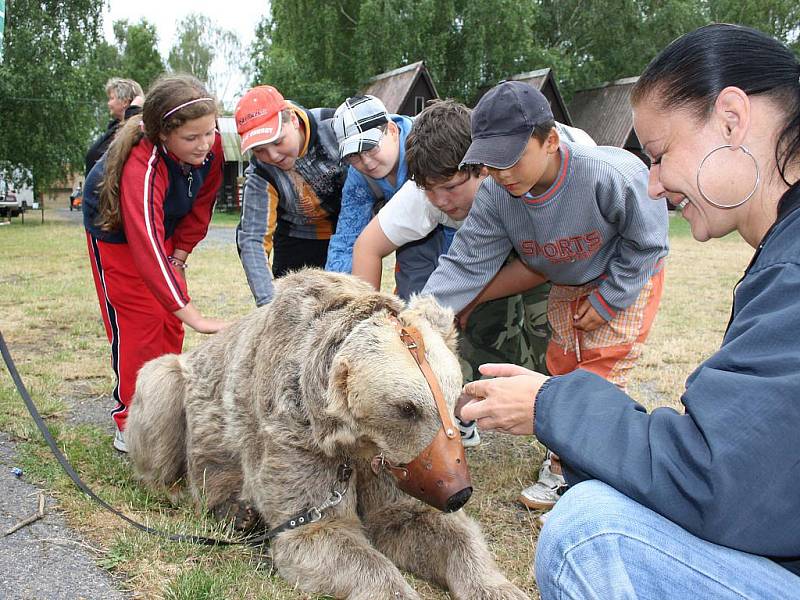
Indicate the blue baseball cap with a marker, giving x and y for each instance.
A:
(502, 123)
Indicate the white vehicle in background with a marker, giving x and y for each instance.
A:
(15, 201)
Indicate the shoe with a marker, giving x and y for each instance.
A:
(119, 441)
(542, 518)
(545, 492)
(469, 433)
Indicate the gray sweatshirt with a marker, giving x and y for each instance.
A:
(595, 224)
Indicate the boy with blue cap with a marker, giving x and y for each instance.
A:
(577, 216)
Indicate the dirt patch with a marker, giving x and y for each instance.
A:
(90, 411)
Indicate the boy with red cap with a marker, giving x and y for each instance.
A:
(578, 216)
(293, 187)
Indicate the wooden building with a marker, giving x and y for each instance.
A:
(404, 91)
(605, 114)
(544, 81)
(233, 170)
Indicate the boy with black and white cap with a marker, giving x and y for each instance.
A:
(577, 216)
(373, 143)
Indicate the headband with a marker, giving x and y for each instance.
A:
(184, 105)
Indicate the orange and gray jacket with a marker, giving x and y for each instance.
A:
(302, 202)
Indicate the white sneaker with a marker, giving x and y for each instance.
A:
(469, 433)
(119, 441)
(545, 492)
(542, 518)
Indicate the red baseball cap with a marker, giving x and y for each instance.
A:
(258, 116)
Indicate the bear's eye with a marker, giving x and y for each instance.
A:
(408, 410)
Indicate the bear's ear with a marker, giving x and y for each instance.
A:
(337, 387)
(334, 426)
(441, 319)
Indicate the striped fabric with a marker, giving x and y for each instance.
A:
(611, 350)
(623, 329)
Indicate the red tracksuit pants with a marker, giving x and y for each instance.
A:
(138, 327)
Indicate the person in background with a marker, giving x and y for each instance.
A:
(577, 216)
(293, 187)
(125, 98)
(699, 503)
(147, 203)
(373, 143)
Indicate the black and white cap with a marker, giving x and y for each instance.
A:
(357, 124)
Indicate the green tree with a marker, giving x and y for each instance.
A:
(193, 51)
(227, 64)
(138, 47)
(46, 100)
(320, 52)
(305, 50)
(102, 63)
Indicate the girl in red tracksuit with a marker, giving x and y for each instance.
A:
(148, 202)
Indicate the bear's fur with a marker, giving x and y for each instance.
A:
(264, 412)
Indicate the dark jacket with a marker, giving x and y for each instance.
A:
(101, 144)
(728, 468)
(160, 199)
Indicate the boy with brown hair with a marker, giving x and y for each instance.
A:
(440, 193)
(293, 187)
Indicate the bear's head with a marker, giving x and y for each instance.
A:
(378, 403)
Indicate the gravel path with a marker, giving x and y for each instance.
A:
(46, 559)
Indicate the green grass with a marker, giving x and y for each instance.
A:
(678, 227)
(51, 322)
(225, 219)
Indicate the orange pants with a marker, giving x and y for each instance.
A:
(612, 349)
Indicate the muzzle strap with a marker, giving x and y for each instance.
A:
(438, 475)
(412, 338)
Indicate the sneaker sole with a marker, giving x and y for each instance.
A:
(120, 445)
(534, 504)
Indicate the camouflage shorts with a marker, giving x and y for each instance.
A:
(507, 330)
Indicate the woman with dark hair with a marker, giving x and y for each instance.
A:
(148, 202)
(704, 503)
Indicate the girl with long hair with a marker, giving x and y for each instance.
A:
(148, 202)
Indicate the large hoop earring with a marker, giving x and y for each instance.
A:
(750, 195)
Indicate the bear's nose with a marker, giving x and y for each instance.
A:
(458, 500)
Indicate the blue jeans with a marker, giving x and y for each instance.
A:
(599, 544)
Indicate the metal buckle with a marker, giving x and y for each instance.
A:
(408, 340)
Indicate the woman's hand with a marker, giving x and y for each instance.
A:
(504, 403)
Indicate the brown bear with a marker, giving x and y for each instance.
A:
(267, 412)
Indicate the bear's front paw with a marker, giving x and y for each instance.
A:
(385, 594)
(502, 591)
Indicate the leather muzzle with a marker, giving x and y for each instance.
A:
(439, 475)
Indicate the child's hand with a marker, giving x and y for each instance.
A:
(463, 317)
(586, 318)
